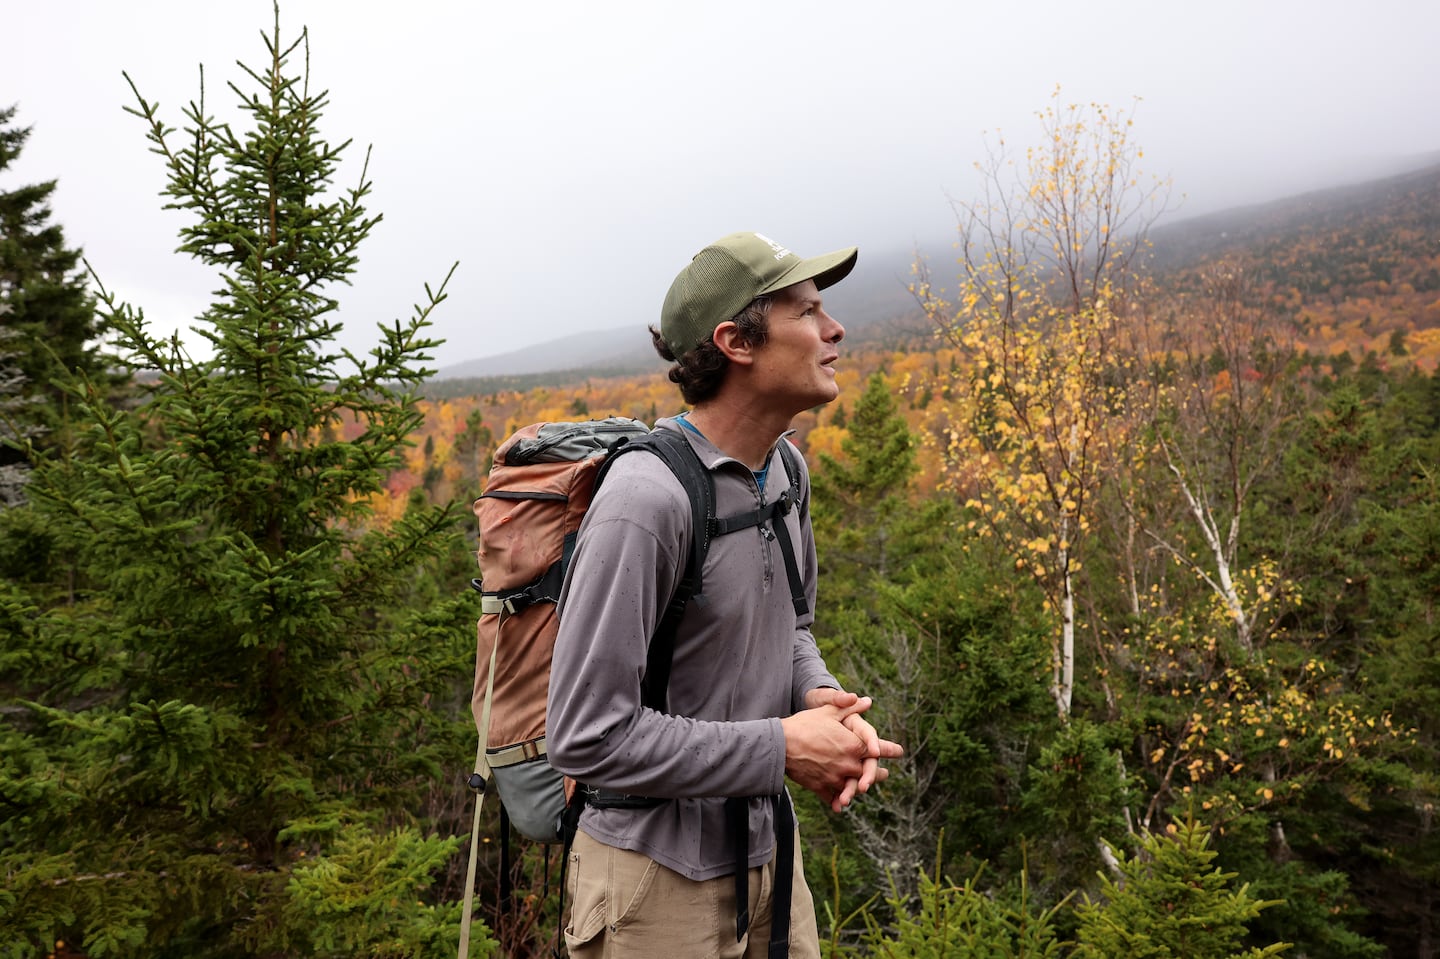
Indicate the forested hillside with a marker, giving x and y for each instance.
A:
(1355, 269)
(1345, 277)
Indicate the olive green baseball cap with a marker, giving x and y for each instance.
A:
(724, 277)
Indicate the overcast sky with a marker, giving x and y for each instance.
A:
(572, 156)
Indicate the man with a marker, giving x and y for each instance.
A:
(684, 794)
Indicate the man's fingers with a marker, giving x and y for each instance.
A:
(844, 797)
(864, 732)
(890, 750)
(838, 770)
(869, 771)
(829, 696)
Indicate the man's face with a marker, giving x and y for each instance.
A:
(795, 366)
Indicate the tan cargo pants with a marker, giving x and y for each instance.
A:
(624, 904)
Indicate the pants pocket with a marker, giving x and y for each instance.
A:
(607, 889)
(585, 886)
(631, 876)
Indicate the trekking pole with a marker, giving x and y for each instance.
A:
(478, 781)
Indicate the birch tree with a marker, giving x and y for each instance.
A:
(1050, 261)
(1222, 424)
(1234, 705)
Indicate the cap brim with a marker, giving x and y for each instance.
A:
(826, 270)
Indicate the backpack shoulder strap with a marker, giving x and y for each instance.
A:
(790, 457)
(773, 514)
(791, 500)
(675, 451)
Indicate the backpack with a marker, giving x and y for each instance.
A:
(543, 480)
(539, 488)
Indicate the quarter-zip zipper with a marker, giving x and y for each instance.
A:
(767, 535)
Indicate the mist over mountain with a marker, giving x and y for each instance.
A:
(875, 303)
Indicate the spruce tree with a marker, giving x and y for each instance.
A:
(47, 314)
(223, 740)
(1171, 902)
(863, 510)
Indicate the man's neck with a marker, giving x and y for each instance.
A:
(738, 430)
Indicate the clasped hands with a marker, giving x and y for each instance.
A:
(831, 749)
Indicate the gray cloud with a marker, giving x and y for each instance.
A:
(572, 155)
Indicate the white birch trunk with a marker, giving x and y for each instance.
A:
(1222, 582)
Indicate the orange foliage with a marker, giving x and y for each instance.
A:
(824, 441)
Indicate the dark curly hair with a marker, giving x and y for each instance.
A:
(699, 372)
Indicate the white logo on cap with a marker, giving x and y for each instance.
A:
(780, 252)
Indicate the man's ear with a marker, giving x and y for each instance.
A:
(734, 344)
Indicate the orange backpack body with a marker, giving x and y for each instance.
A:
(537, 493)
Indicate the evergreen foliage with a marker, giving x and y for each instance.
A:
(1170, 902)
(47, 315)
(1313, 758)
(968, 922)
(224, 735)
(914, 616)
(864, 508)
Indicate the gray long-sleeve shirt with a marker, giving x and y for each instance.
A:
(743, 659)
